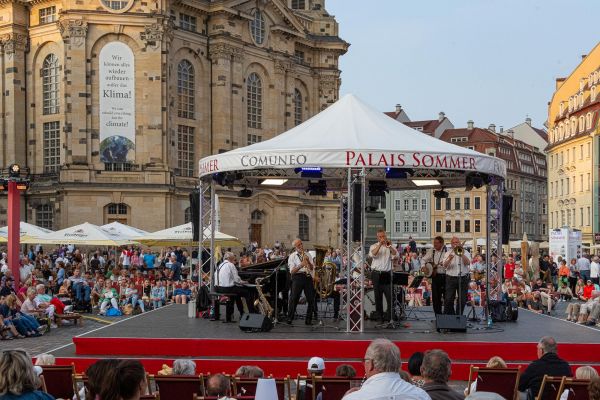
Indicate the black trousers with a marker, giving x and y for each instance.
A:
(302, 283)
(240, 291)
(336, 303)
(456, 286)
(382, 287)
(438, 292)
(573, 285)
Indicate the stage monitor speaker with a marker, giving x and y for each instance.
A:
(451, 323)
(255, 323)
(507, 202)
(195, 214)
(357, 212)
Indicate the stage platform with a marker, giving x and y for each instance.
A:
(160, 336)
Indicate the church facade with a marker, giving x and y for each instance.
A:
(111, 104)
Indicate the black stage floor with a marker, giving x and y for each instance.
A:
(172, 322)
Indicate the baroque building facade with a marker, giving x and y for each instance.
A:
(573, 114)
(111, 104)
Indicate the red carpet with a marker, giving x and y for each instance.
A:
(289, 357)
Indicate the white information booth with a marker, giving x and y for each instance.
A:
(565, 243)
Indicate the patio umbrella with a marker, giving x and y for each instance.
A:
(182, 235)
(86, 234)
(124, 230)
(29, 233)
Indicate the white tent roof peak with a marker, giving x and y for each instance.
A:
(351, 133)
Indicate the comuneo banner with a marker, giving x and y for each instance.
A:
(117, 103)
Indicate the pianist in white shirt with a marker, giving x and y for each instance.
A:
(228, 281)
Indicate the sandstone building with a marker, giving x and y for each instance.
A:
(110, 104)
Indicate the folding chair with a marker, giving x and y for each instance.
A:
(550, 388)
(577, 389)
(176, 387)
(503, 381)
(330, 388)
(58, 380)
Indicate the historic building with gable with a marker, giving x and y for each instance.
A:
(110, 104)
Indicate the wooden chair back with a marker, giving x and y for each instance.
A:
(59, 380)
(577, 389)
(283, 386)
(550, 388)
(503, 381)
(178, 387)
(330, 388)
(244, 386)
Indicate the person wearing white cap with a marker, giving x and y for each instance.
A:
(316, 367)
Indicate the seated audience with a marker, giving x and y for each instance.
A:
(382, 363)
(183, 294)
(494, 362)
(249, 371)
(125, 381)
(158, 295)
(18, 380)
(108, 296)
(594, 389)
(184, 367)
(548, 363)
(583, 372)
(345, 371)
(45, 359)
(414, 368)
(436, 370)
(133, 297)
(218, 385)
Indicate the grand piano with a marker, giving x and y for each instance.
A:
(275, 279)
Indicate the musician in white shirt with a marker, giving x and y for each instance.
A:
(228, 281)
(382, 254)
(435, 257)
(457, 278)
(301, 267)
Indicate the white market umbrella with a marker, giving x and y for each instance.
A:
(29, 233)
(126, 231)
(544, 245)
(480, 242)
(183, 235)
(86, 234)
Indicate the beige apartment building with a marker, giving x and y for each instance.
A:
(110, 104)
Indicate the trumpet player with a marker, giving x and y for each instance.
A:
(456, 263)
(301, 268)
(382, 253)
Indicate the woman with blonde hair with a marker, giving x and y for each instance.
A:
(583, 372)
(494, 362)
(18, 380)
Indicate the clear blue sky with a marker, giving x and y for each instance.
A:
(492, 61)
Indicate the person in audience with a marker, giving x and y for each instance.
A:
(25, 324)
(583, 372)
(133, 297)
(414, 368)
(80, 287)
(184, 367)
(249, 371)
(494, 362)
(18, 380)
(345, 371)
(436, 370)
(158, 294)
(218, 385)
(382, 362)
(30, 308)
(548, 363)
(594, 389)
(126, 381)
(535, 303)
(108, 296)
(183, 294)
(316, 366)
(45, 359)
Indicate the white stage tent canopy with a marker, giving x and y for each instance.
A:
(29, 233)
(85, 234)
(126, 231)
(182, 235)
(351, 133)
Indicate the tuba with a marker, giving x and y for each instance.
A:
(325, 274)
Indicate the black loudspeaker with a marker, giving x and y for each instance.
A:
(255, 323)
(195, 214)
(357, 210)
(507, 202)
(451, 323)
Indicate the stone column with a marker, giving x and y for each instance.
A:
(221, 58)
(13, 139)
(238, 92)
(77, 97)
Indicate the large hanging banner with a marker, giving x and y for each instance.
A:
(117, 103)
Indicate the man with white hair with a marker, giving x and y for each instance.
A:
(382, 365)
(227, 280)
(595, 270)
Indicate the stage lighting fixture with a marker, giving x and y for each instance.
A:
(474, 181)
(441, 194)
(3, 185)
(273, 182)
(227, 178)
(22, 185)
(378, 188)
(397, 173)
(426, 182)
(318, 188)
(310, 172)
(14, 171)
(245, 192)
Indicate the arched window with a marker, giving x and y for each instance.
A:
(116, 212)
(256, 216)
(50, 89)
(257, 26)
(303, 227)
(254, 101)
(297, 107)
(44, 216)
(187, 215)
(185, 89)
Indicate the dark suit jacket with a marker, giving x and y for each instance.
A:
(441, 391)
(548, 364)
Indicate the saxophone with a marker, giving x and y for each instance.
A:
(262, 304)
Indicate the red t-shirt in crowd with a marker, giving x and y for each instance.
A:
(509, 271)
